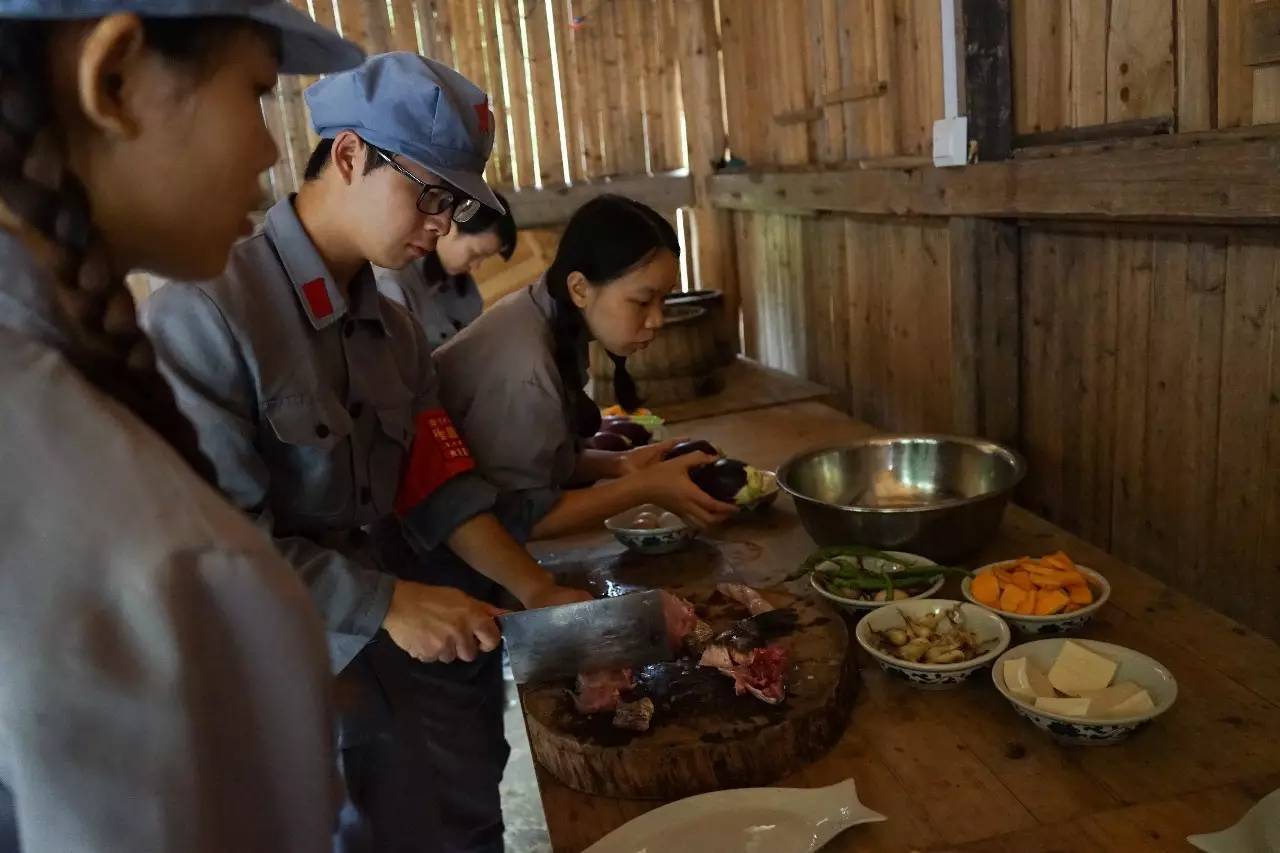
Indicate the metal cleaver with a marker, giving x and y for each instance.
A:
(608, 633)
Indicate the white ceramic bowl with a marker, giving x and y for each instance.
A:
(1058, 623)
(661, 540)
(853, 605)
(1091, 731)
(986, 625)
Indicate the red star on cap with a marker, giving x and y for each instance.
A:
(482, 115)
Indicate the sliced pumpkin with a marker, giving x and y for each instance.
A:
(1060, 560)
(1074, 578)
(1081, 595)
(1028, 604)
(1012, 597)
(1050, 601)
(1038, 569)
(1021, 580)
(1053, 581)
(986, 589)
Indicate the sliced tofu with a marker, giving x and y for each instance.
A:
(1138, 703)
(1079, 670)
(1109, 697)
(1070, 706)
(1025, 681)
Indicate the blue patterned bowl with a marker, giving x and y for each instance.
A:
(1091, 731)
(1060, 623)
(673, 535)
(986, 625)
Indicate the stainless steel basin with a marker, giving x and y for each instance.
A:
(935, 495)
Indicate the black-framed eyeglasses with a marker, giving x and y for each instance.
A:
(436, 198)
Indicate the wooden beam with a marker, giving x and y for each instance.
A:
(853, 94)
(1210, 183)
(1262, 33)
(1155, 126)
(988, 76)
(1233, 136)
(554, 205)
(803, 116)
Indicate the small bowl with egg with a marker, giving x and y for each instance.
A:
(650, 529)
(1084, 692)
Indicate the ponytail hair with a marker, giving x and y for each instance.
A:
(53, 215)
(607, 238)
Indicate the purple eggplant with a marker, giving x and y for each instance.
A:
(731, 481)
(608, 441)
(695, 445)
(634, 432)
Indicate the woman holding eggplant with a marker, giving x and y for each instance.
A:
(513, 380)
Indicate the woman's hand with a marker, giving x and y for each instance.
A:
(668, 485)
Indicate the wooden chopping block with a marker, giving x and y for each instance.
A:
(703, 737)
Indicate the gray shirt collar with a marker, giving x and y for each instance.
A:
(318, 294)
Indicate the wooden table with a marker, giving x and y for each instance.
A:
(960, 770)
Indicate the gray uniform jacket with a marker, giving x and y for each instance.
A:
(442, 304)
(308, 403)
(164, 679)
(498, 379)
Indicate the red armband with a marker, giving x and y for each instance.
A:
(438, 455)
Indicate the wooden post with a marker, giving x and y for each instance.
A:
(435, 30)
(517, 101)
(404, 33)
(656, 101)
(571, 89)
(631, 37)
(500, 160)
(669, 77)
(546, 111)
(988, 76)
(700, 82)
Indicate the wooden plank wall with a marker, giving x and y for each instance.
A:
(1091, 62)
(859, 305)
(1151, 402)
(827, 81)
(596, 69)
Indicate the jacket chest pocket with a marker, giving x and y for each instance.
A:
(309, 453)
(392, 438)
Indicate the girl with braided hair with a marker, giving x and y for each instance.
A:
(514, 378)
(165, 679)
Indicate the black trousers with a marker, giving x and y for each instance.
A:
(422, 752)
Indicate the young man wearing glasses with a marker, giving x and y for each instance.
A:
(315, 399)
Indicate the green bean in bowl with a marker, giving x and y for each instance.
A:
(859, 578)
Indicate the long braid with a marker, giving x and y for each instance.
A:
(38, 188)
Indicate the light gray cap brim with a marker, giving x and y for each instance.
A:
(307, 47)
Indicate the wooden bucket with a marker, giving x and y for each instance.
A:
(681, 364)
(726, 335)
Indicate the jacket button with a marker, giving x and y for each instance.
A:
(356, 409)
(322, 430)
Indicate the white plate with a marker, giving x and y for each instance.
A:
(1257, 832)
(746, 820)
